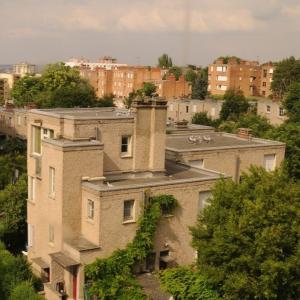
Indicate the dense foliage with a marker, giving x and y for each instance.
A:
(202, 118)
(248, 237)
(111, 278)
(59, 86)
(292, 102)
(184, 283)
(200, 84)
(16, 278)
(234, 105)
(286, 72)
(165, 62)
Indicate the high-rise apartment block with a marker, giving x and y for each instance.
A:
(237, 74)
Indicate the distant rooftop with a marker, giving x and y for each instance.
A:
(86, 113)
(214, 140)
(175, 174)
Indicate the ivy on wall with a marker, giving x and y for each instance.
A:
(112, 278)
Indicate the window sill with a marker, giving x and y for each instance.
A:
(126, 156)
(128, 222)
(91, 221)
(52, 197)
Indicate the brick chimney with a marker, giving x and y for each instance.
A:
(244, 133)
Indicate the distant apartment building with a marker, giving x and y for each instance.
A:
(90, 172)
(24, 68)
(121, 81)
(267, 71)
(234, 73)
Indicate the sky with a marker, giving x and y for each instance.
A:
(139, 31)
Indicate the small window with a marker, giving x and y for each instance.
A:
(30, 235)
(265, 72)
(264, 83)
(51, 234)
(31, 188)
(126, 146)
(269, 162)
(51, 181)
(203, 197)
(128, 210)
(281, 111)
(268, 108)
(90, 209)
(187, 109)
(36, 140)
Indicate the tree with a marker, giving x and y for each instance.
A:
(13, 271)
(286, 72)
(105, 101)
(13, 204)
(200, 84)
(190, 75)
(59, 86)
(24, 290)
(26, 89)
(202, 118)
(234, 105)
(128, 100)
(176, 71)
(148, 89)
(165, 62)
(248, 237)
(292, 102)
(183, 283)
(259, 125)
(289, 133)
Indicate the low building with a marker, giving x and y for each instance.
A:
(272, 110)
(24, 68)
(185, 109)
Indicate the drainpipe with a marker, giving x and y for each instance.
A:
(237, 168)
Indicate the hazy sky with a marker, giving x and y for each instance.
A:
(138, 31)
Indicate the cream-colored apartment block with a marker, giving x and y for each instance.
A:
(90, 172)
(271, 109)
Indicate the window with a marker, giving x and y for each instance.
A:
(187, 109)
(271, 71)
(90, 209)
(51, 182)
(211, 68)
(30, 235)
(268, 108)
(128, 210)
(31, 188)
(281, 112)
(269, 162)
(126, 146)
(199, 163)
(209, 87)
(264, 93)
(36, 140)
(265, 72)
(221, 69)
(264, 83)
(51, 234)
(221, 87)
(222, 78)
(47, 133)
(203, 197)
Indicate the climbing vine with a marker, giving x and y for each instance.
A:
(112, 278)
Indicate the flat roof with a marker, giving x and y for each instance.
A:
(213, 141)
(86, 113)
(175, 174)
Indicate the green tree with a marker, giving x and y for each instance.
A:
(234, 105)
(248, 237)
(59, 86)
(190, 75)
(128, 100)
(183, 283)
(292, 102)
(26, 89)
(13, 204)
(105, 101)
(176, 71)
(202, 118)
(165, 62)
(24, 290)
(200, 84)
(286, 72)
(148, 90)
(13, 271)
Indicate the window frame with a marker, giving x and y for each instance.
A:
(90, 209)
(131, 218)
(128, 152)
(51, 190)
(34, 137)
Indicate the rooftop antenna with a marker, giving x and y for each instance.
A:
(186, 32)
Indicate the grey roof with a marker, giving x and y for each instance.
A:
(175, 174)
(63, 259)
(86, 113)
(82, 244)
(181, 143)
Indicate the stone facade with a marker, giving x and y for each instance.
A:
(272, 110)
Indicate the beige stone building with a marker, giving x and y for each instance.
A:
(91, 170)
(24, 68)
(185, 109)
(272, 110)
